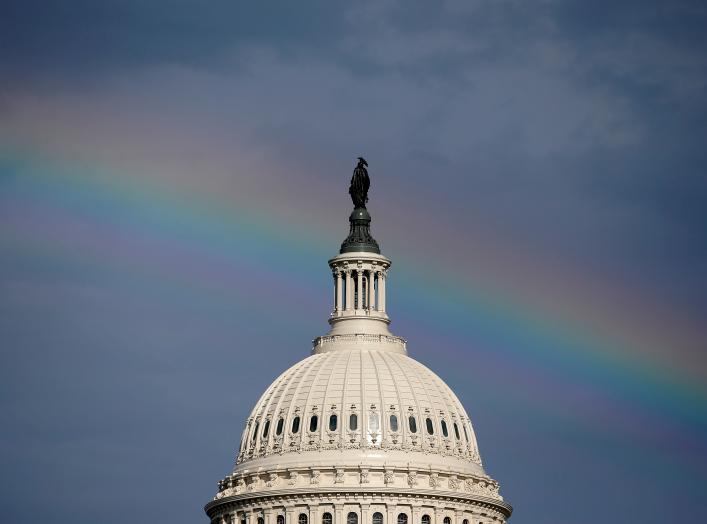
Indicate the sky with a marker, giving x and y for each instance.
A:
(173, 180)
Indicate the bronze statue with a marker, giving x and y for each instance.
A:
(360, 184)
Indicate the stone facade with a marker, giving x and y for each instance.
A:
(358, 432)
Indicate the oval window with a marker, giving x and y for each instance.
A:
(393, 423)
(413, 424)
(295, 425)
(266, 428)
(373, 421)
(456, 431)
(278, 429)
(313, 423)
(430, 427)
(353, 423)
(444, 428)
(332, 422)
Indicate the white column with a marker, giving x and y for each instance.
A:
(349, 290)
(337, 292)
(371, 289)
(381, 291)
(359, 289)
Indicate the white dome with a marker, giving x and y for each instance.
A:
(358, 431)
(365, 399)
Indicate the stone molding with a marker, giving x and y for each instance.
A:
(338, 478)
(401, 500)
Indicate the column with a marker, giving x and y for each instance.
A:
(371, 289)
(349, 290)
(359, 289)
(364, 519)
(381, 291)
(339, 517)
(337, 293)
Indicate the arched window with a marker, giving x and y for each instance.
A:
(425, 519)
(445, 432)
(295, 425)
(333, 421)
(402, 518)
(352, 518)
(266, 428)
(393, 423)
(278, 430)
(281, 518)
(465, 521)
(302, 519)
(430, 427)
(353, 423)
(447, 520)
(466, 435)
(378, 518)
(243, 521)
(261, 520)
(413, 424)
(326, 518)
(313, 423)
(255, 432)
(456, 432)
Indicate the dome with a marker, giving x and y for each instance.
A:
(360, 397)
(358, 432)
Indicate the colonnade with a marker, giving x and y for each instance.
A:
(358, 290)
(340, 514)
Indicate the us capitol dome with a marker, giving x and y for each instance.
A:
(358, 432)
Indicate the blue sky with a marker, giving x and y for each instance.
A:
(538, 180)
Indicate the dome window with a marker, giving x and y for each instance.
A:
(255, 432)
(266, 428)
(326, 518)
(302, 519)
(313, 423)
(261, 520)
(373, 421)
(465, 521)
(425, 519)
(447, 520)
(333, 421)
(378, 518)
(445, 432)
(352, 518)
(280, 518)
(402, 518)
(430, 427)
(393, 423)
(278, 431)
(295, 425)
(243, 521)
(466, 435)
(353, 423)
(456, 433)
(413, 424)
